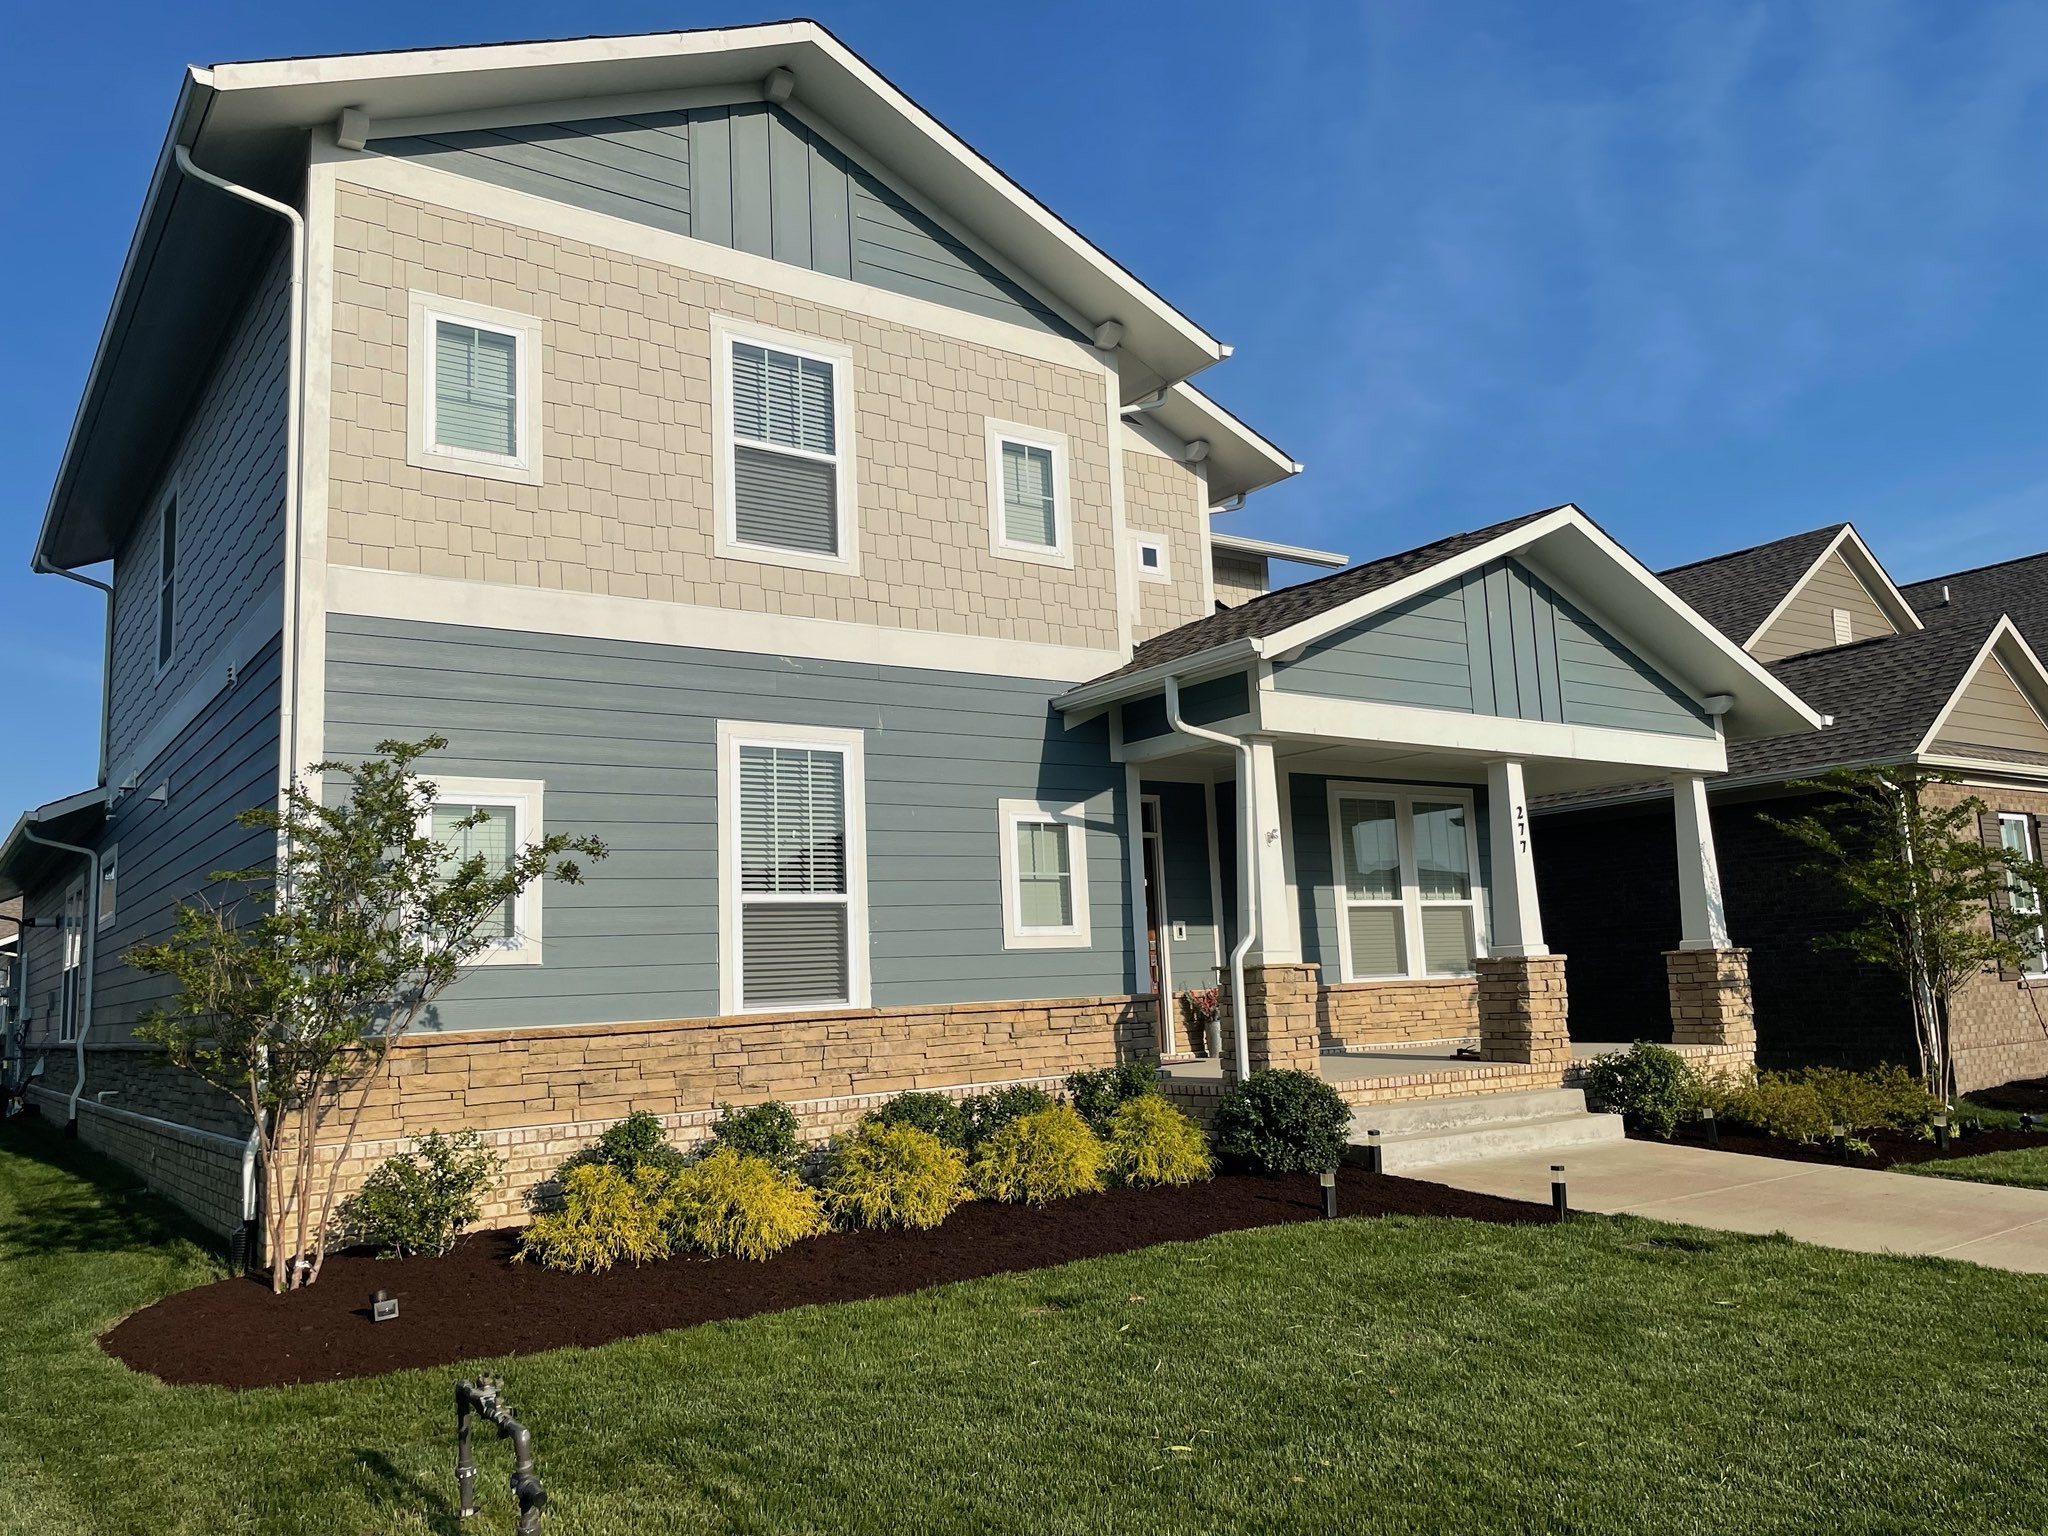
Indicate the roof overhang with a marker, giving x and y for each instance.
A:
(1267, 549)
(1239, 460)
(1868, 570)
(1572, 553)
(74, 819)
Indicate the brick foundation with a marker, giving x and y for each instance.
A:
(1711, 1003)
(198, 1171)
(1281, 1008)
(1522, 1011)
(1369, 1013)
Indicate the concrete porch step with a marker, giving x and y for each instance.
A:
(1432, 1133)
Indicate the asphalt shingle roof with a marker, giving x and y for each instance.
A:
(2018, 587)
(1736, 592)
(1275, 611)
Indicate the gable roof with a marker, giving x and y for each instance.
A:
(2016, 587)
(194, 250)
(1561, 544)
(1744, 593)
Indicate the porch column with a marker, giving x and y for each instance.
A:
(1279, 922)
(1708, 978)
(1281, 994)
(1517, 927)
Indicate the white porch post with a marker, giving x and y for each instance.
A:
(1279, 941)
(1703, 919)
(1517, 921)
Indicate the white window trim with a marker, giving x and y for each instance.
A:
(110, 875)
(1061, 551)
(1073, 820)
(726, 543)
(167, 508)
(526, 797)
(732, 735)
(1163, 572)
(70, 993)
(2015, 890)
(1404, 797)
(421, 451)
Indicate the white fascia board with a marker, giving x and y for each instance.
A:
(1178, 744)
(1198, 667)
(1237, 544)
(2010, 647)
(1488, 736)
(1240, 460)
(874, 114)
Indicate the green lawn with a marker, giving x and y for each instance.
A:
(2026, 1167)
(1357, 1376)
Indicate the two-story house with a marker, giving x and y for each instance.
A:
(734, 464)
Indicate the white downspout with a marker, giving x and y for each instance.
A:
(1247, 867)
(88, 958)
(288, 716)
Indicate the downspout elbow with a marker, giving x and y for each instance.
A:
(1248, 868)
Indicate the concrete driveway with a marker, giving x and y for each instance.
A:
(1859, 1208)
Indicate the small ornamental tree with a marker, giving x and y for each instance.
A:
(1921, 877)
(291, 997)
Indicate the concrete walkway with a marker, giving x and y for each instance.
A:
(1860, 1208)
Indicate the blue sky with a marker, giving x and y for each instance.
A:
(1716, 272)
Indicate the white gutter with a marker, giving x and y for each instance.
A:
(1247, 867)
(295, 400)
(87, 960)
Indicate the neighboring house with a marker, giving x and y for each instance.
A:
(1945, 673)
(734, 464)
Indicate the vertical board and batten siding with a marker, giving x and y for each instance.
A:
(1497, 641)
(1184, 833)
(228, 468)
(623, 735)
(751, 177)
(1808, 622)
(1308, 802)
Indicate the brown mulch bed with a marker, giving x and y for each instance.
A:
(476, 1303)
(1892, 1146)
(2027, 1093)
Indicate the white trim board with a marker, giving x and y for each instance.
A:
(594, 616)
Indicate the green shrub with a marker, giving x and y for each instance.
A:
(1045, 1155)
(767, 1130)
(1096, 1095)
(606, 1215)
(1148, 1141)
(636, 1142)
(894, 1176)
(1777, 1104)
(936, 1114)
(1650, 1086)
(419, 1201)
(987, 1113)
(729, 1202)
(1886, 1098)
(1282, 1122)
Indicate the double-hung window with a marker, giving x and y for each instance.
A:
(492, 820)
(1044, 864)
(2016, 833)
(787, 492)
(792, 867)
(1029, 515)
(474, 378)
(167, 584)
(1406, 862)
(71, 960)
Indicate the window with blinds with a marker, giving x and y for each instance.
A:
(1406, 883)
(785, 469)
(2017, 833)
(795, 892)
(492, 837)
(1030, 515)
(1045, 877)
(476, 389)
(1042, 856)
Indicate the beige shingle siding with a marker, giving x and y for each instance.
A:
(1808, 623)
(1164, 496)
(625, 507)
(1239, 578)
(229, 471)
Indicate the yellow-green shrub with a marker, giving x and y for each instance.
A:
(1777, 1105)
(1884, 1098)
(732, 1203)
(606, 1215)
(1046, 1155)
(894, 1176)
(1148, 1141)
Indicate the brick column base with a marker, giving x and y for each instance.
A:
(1522, 1010)
(1280, 1018)
(1710, 998)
